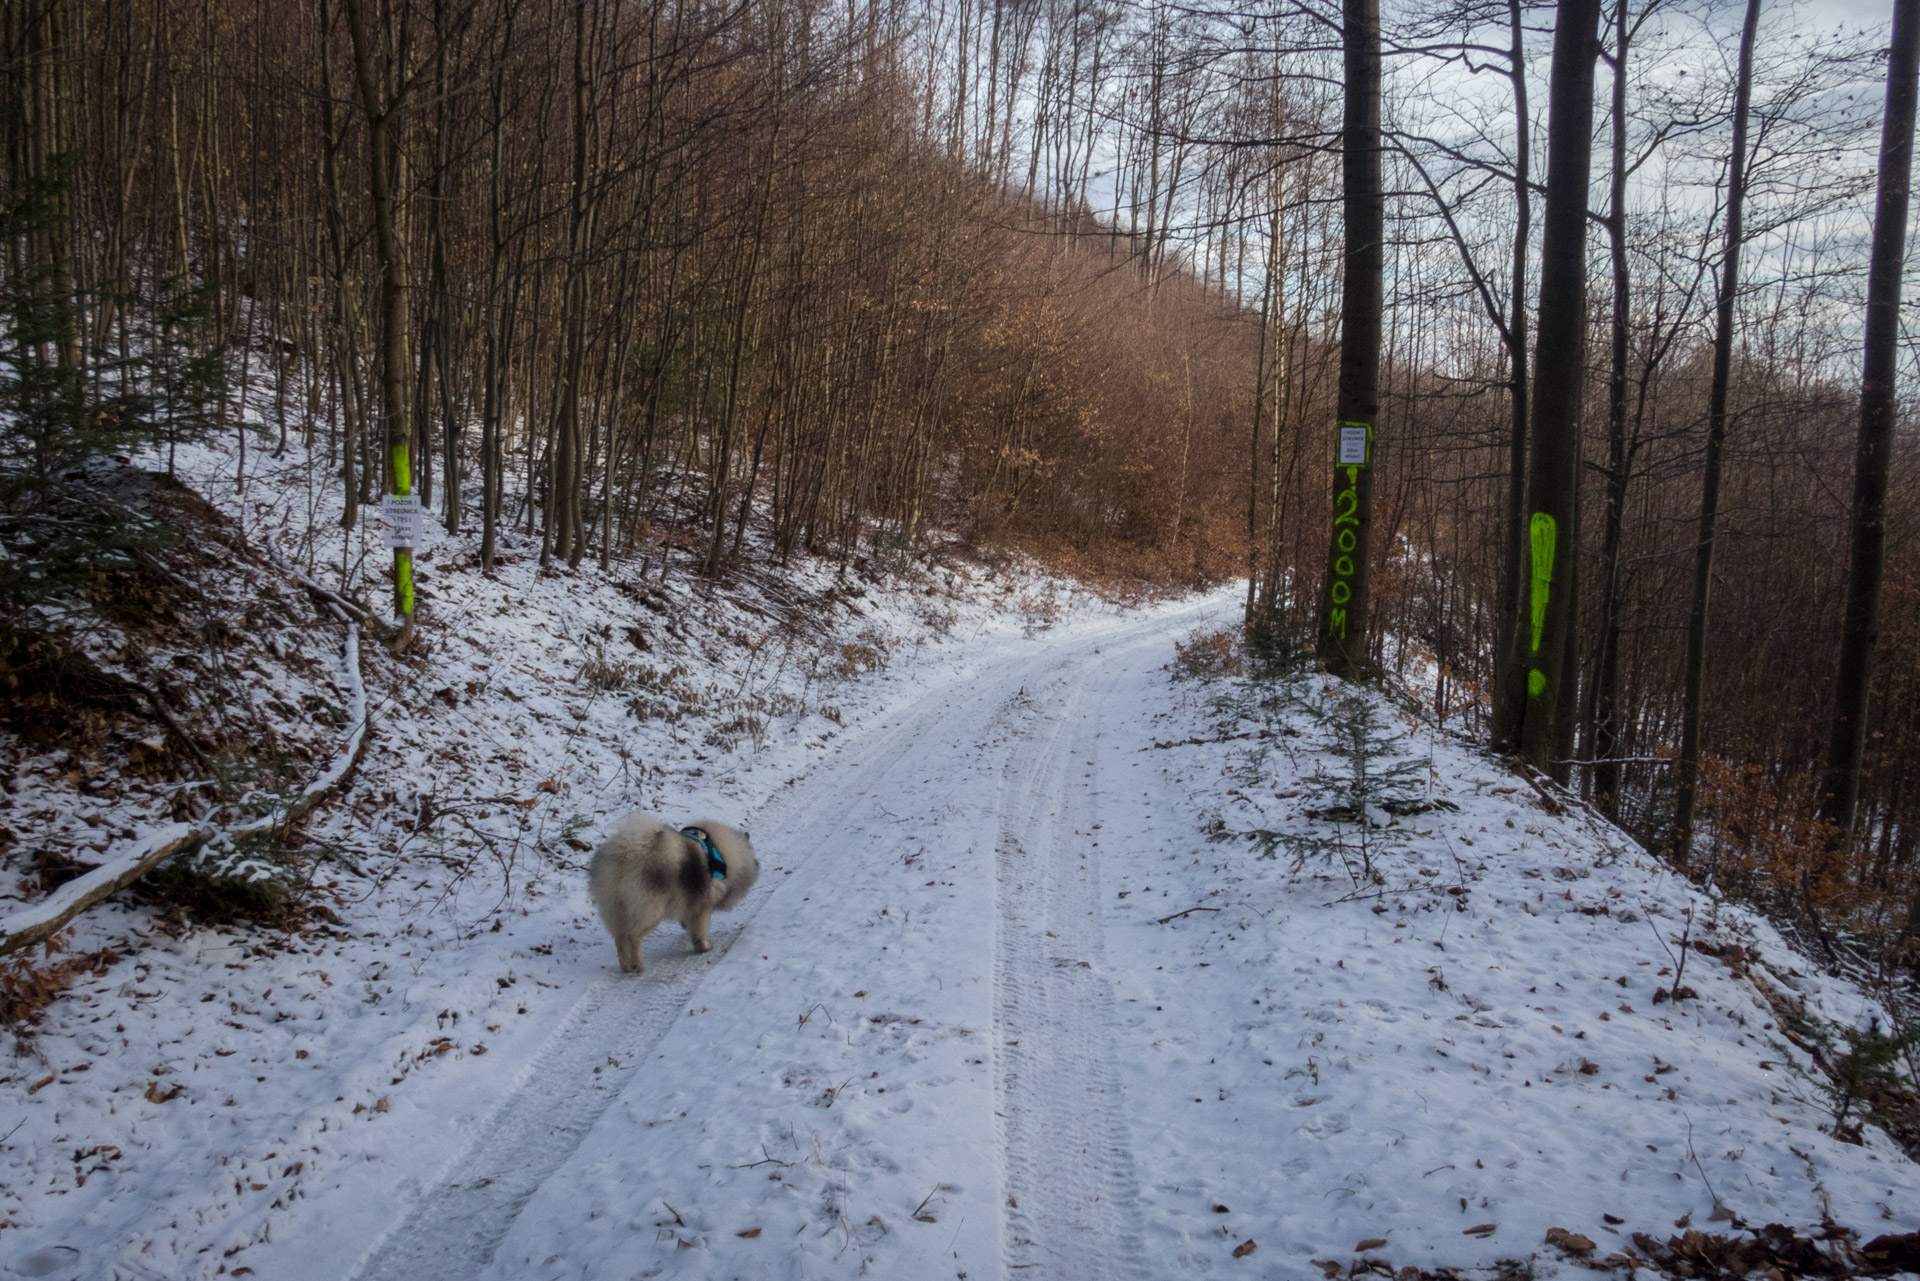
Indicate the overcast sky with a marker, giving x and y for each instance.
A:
(1865, 13)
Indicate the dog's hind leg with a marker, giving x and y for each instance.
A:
(625, 940)
(639, 925)
(696, 922)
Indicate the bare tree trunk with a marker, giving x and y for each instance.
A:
(1514, 540)
(1604, 727)
(394, 363)
(1540, 642)
(1343, 612)
(1687, 771)
(1873, 454)
(563, 496)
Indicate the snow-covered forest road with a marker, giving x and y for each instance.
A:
(1017, 996)
(899, 1048)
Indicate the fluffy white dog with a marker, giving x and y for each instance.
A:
(647, 872)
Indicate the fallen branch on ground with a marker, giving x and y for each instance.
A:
(42, 920)
(1196, 742)
(354, 749)
(1189, 912)
(348, 609)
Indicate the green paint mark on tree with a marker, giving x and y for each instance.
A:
(402, 558)
(1346, 519)
(1544, 532)
(1536, 683)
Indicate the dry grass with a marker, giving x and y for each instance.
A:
(1206, 655)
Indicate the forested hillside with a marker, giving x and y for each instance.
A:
(1255, 572)
(646, 290)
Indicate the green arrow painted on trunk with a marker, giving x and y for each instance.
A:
(1545, 533)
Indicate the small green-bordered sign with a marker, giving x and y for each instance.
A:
(1356, 444)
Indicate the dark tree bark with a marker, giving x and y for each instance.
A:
(1873, 452)
(1605, 728)
(1514, 552)
(394, 360)
(1343, 610)
(1538, 664)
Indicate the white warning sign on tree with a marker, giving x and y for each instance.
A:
(402, 515)
(1353, 445)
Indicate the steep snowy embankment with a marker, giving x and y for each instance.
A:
(1454, 1058)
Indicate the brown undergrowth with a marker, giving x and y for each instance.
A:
(1857, 905)
(190, 680)
(30, 983)
(1774, 1252)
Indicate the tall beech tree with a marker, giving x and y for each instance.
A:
(381, 109)
(1541, 640)
(1873, 449)
(1686, 779)
(1343, 616)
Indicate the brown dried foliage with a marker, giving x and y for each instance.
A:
(29, 984)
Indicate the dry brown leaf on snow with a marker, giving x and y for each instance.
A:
(1327, 1266)
(1481, 1230)
(1572, 1242)
(749, 1234)
(1245, 1248)
(1371, 1243)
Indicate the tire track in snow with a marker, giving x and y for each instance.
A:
(454, 1229)
(583, 1067)
(1067, 1170)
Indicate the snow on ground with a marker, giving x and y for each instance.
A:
(1005, 1002)
(187, 1101)
(981, 1041)
(1465, 1054)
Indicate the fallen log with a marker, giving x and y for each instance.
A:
(41, 921)
(350, 754)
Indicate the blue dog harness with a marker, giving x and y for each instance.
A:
(715, 864)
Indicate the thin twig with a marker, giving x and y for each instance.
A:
(1190, 911)
(1696, 1162)
(1620, 760)
(770, 1159)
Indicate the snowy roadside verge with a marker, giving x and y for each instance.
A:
(1429, 1040)
(195, 1096)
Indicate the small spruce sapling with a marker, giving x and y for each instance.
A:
(1372, 782)
(1867, 1071)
